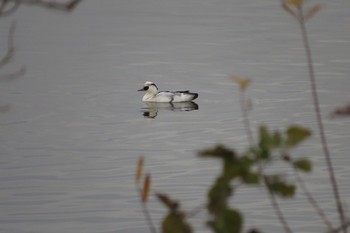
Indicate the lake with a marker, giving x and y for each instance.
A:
(73, 126)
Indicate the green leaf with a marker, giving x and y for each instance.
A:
(218, 195)
(296, 134)
(276, 140)
(250, 178)
(303, 165)
(175, 223)
(278, 187)
(264, 152)
(264, 136)
(229, 221)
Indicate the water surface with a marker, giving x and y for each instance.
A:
(74, 124)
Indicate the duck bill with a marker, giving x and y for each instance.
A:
(142, 89)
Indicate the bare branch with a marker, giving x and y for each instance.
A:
(289, 10)
(65, 6)
(341, 228)
(14, 75)
(312, 11)
(9, 56)
(4, 11)
(10, 47)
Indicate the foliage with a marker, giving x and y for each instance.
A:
(174, 221)
(246, 168)
(249, 167)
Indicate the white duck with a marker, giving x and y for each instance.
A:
(153, 95)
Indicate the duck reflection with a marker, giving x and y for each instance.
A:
(151, 109)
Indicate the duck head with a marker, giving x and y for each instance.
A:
(150, 87)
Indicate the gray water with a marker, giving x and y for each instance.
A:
(74, 128)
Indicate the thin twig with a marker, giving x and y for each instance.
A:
(6, 12)
(341, 228)
(312, 201)
(6, 59)
(250, 137)
(195, 210)
(279, 213)
(319, 117)
(63, 6)
(246, 122)
(146, 213)
(10, 47)
(9, 77)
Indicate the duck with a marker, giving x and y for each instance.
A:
(153, 95)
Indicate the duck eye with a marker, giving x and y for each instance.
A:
(145, 88)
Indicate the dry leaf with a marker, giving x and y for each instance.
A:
(139, 170)
(242, 83)
(341, 111)
(295, 2)
(289, 10)
(146, 188)
(312, 11)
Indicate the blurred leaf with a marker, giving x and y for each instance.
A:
(172, 205)
(264, 135)
(242, 83)
(139, 170)
(218, 195)
(219, 151)
(264, 143)
(254, 231)
(146, 188)
(175, 223)
(230, 221)
(278, 187)
(276, 140)
(312, 11)
(250, 178)
(342, 111)
(296, 134)
(295, 2)
(302, 165)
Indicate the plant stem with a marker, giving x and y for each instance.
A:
(148, 218)
(279, 213)
(313, 202)
(319, 117)
(146, 212)
(246, 122)
(250, 137)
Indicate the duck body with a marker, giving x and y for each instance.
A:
(153, 95)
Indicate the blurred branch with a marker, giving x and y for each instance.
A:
(10, 47)
(7, 7)
(6, 59)
(5, 10)
(63, 6)
(312, 201)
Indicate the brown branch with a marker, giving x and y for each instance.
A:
(317, 110)
(341, 228)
